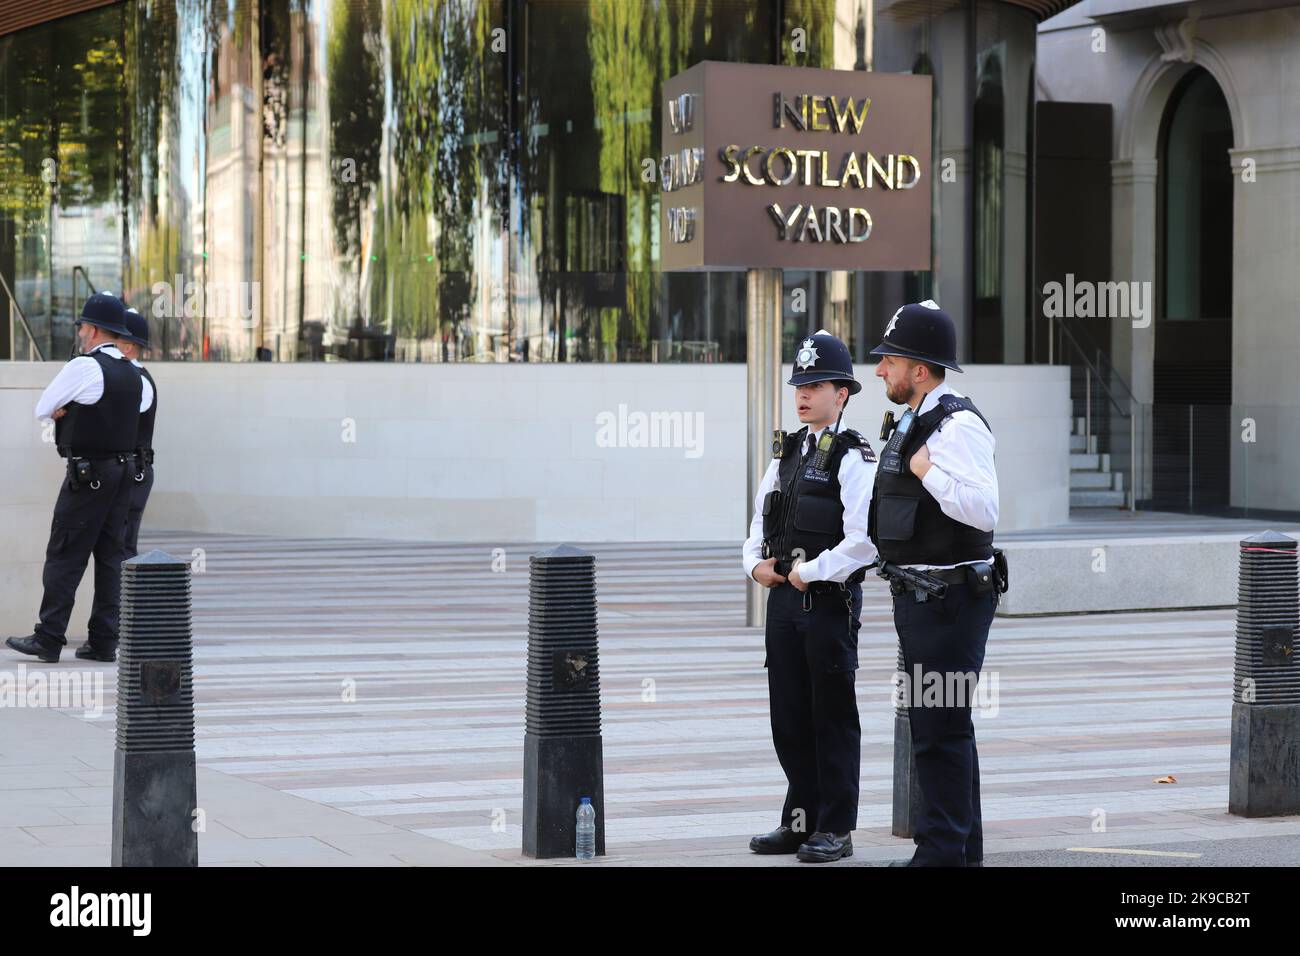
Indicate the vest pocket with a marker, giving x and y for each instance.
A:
(818, 515)
(896, 517)
(771, 513)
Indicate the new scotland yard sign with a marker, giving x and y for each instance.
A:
(789, 167)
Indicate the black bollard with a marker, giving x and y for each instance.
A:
(154, 788)
(907, 787)
(563, 759)
(1264, 773)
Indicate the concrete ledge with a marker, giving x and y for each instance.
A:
(1083, 576)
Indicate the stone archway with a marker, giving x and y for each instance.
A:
(1136, 206)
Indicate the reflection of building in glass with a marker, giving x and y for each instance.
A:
(466, 180)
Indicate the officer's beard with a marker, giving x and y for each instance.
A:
(900, 394)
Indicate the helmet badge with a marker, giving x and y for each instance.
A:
(807, 356)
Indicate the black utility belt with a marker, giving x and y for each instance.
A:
(983, 577)
(101, 456)
(83, 470)
(957, 575)
(827, 587)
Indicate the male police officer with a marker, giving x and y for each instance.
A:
(934, 508)
(95, 401)
(808, 544)
(142, 476)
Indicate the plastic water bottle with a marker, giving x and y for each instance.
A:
(586, 830)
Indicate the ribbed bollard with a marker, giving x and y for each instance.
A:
(1264, 778)
(907, 786)
(154, 791)
(563, 759)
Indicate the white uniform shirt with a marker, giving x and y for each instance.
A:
(82, 381)
(856, 550)
(962, 477)
(145, 383)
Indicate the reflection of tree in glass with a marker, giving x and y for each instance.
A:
(168, 89)
(356, 109)
(60, 121)
(448, 113)
(634, 47)
(818, 24)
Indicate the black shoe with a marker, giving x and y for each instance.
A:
(33, 645)
(825, 847)
(780, 840)
(974, 862)
(89, 652)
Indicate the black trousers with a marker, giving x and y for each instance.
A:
(945, 638)
(811, 659)
(87, 521)
(135, 513)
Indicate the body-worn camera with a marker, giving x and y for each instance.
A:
(778, 443)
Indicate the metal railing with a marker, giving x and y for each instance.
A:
(34, 351)
(80, 270)
(1101, 370)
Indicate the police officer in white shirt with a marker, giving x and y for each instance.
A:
(142, 475)
(808, 544)
(95, 401)
(934, 509)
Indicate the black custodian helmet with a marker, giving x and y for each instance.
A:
(138, 326)
(106, 311)
(924, 332)
(823, 358)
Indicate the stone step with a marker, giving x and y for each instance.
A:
(1079, 443)
(1094, 480)
(1087, 462)
(1098, 499)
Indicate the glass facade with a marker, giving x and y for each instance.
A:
(463, 180)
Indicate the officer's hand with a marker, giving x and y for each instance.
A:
(920, 462)
(765, 573)
(796, 580)
(59, 413)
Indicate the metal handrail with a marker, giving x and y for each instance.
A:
(14, 307)
(85, 275)
(1101, 379)
(1092, 370)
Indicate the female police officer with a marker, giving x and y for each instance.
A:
(808, 544)
(934, 508)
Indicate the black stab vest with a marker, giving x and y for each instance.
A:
(905, 521)
(108, 426)
(144, 434)
(804, 515)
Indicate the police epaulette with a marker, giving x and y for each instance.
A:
(855, 440)
(952, 404)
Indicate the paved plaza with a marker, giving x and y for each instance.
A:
(362, 703)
